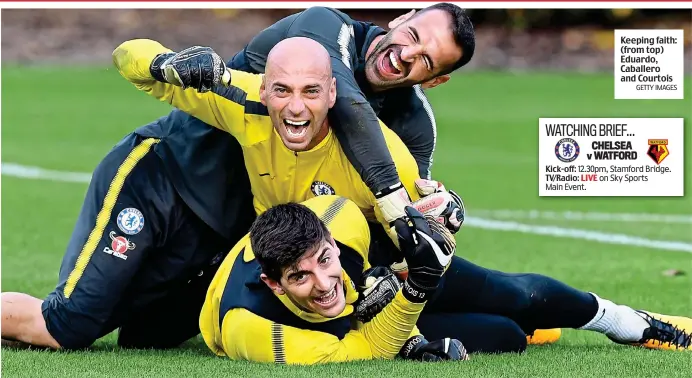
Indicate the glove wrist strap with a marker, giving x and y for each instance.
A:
(407, 351)
(388, 190)
(155, 67)
(414, 293)
(392, 201)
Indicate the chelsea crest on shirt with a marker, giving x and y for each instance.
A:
(130, 221)
(321, 188)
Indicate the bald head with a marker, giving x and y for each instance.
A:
(297, 56)
(298, 89)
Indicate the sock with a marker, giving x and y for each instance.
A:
(619, 322)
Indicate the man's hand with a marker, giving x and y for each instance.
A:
(428, 248)
(419, 349)
(445, 206)
(392, 202)
(196, 67)
(378, 287)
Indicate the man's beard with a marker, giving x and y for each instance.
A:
(372, 70)
(379, 48)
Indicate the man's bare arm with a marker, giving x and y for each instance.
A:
(22, 322)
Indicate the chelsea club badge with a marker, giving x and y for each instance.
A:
(130, 221)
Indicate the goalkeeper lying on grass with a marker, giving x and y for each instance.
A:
(287, 292)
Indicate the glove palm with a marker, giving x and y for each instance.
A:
(428, 248)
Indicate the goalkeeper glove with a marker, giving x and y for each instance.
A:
(391, 203)
(445, 206)
(379, 286)
(427, 247)
(196, 67)
(419, 349)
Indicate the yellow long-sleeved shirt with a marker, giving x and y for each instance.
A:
(277, 174)
(243, 319)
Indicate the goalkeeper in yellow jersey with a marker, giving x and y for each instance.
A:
(290, 151)
(286, 292)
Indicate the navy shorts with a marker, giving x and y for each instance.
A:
(139, 259)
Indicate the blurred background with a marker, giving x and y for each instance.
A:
(515, 39)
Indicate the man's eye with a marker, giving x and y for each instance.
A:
(280, 90)
(326, 260)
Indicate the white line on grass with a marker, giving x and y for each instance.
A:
(18, 170)
(573, 233)
(36, 173)
(585, 216)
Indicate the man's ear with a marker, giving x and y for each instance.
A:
(432, 83)
(263, 91)
(332, 93)
(397, 21)
(272, 284)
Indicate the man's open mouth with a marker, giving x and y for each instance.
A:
(296, 129)
(327, 299)
(390, 64)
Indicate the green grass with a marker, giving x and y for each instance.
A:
(68, 118)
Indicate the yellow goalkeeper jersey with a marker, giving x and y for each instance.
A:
(242, 318)
(277, 174)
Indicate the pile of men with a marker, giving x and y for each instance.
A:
(286, 211)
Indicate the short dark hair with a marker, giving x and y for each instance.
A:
(462, 28)
(283, 234)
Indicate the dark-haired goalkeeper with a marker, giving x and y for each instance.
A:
(287, 292)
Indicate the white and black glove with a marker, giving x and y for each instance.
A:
(378, 287)
(444, 205)
(391, 203)
(438, 205)
(196, 67)
(417, 348)
(427, 247)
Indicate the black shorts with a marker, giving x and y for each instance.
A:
(468, 294)
(139, 259)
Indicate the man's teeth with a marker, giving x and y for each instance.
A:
(296, 128)
(395, 63)
(327, 298)
(296, 123)
(297, 132)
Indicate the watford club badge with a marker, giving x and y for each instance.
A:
(658, 150)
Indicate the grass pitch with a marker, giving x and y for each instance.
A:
(67, 119)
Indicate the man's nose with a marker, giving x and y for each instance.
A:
(409, 53)
(323, 282)
(296, 106)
